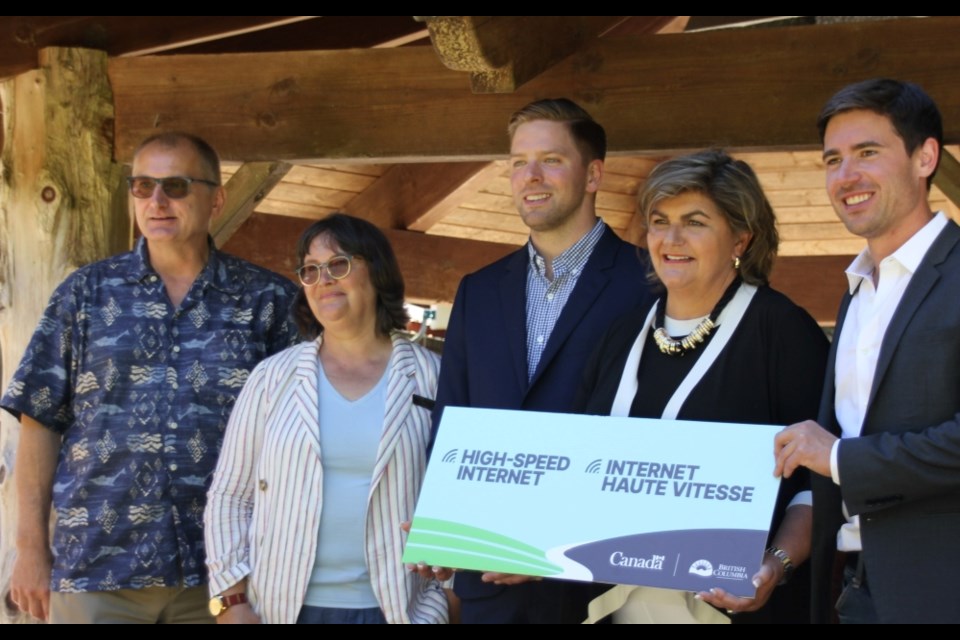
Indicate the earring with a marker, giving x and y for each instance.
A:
(736, 262)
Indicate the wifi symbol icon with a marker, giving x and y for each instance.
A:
(594, 467)
(450, 456)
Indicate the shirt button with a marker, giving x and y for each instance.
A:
(173, 425)
(263, 485)
(549, 296)
(176, 349)
(575, 271)
(173, 466)
(539, 339)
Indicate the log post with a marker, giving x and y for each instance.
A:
(60, 208)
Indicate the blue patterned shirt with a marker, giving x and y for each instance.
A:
(141, 392)
(546, 298)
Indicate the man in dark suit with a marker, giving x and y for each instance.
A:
(522, 328)
(887, 456)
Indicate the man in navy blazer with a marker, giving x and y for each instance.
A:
(887, 456)
(522, 328)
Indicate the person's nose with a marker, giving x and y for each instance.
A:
(533, 173)
(159, 196)
(847, 172)
(674, 235)
(324, 278)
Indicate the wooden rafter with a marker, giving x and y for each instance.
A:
(948, 177)
(415, 196)
(21, 37)
(456, 197)
(746, 89)
(503, 52)
(431, 265)
(245, 190)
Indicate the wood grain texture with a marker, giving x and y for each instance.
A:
(60, 207)
(746, 90)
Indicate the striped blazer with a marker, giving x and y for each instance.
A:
(263, 509)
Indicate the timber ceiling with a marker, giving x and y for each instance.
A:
(433, 205)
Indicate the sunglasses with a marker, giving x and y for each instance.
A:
(337, 267)
(174, 187)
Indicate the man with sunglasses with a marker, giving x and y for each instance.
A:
(123, 395)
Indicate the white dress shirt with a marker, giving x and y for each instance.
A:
(868, 316)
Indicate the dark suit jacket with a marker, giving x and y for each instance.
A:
(485, 365)
(902, 476)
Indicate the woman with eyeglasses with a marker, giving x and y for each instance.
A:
(325, 452)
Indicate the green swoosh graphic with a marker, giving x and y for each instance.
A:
(448, 543)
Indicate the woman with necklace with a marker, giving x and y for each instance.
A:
(719, 345)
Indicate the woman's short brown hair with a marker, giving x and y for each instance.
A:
(356, 237)
(734, 188)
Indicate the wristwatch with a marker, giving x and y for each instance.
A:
(219, 604)
(785, 560)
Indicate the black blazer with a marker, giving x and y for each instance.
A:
(485, 365)
(770, 372)
(902, 475)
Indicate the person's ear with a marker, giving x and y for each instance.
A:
(594, 175)
(926, 157)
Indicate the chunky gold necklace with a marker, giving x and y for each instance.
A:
(671, 346)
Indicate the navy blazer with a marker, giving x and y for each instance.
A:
(485, 354)
(902, 476)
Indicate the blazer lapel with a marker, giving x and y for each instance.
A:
(590, 285)
(513, 304)
(306, 394)
(917, 291)
(401, 385)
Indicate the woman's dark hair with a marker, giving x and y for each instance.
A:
(356, 237)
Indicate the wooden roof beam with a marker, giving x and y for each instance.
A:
(21, 37)
(245, 190)
(416, 196)
(459, 194)
(816, 283)
(750, 89)
(431, 265)
(503, 52)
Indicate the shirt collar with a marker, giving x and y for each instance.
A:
(909, 255)
(214, 273)
(573, 259)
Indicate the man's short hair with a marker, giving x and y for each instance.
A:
(914, 114)
(172, 139)
(588, 135)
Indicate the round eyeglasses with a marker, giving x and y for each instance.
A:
(174, 187)
(337, 267)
